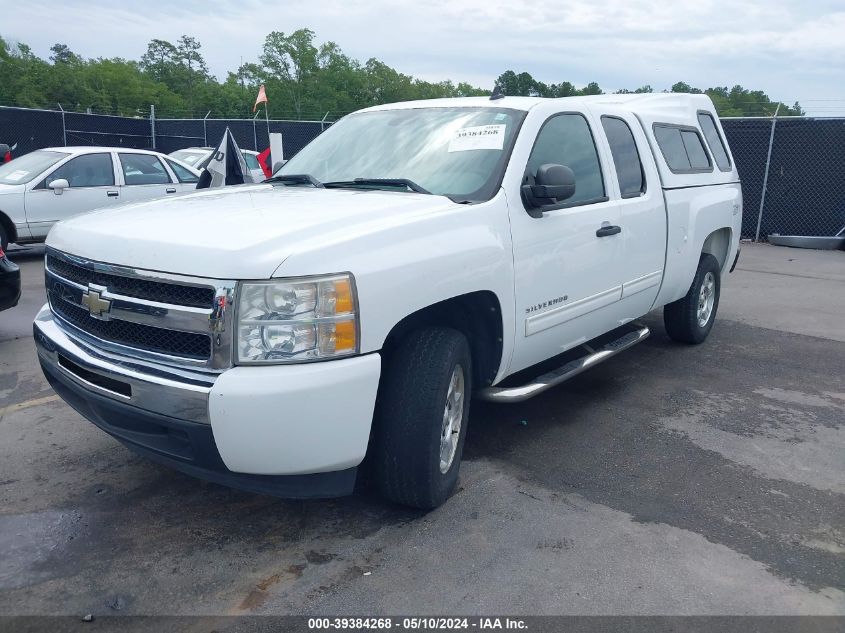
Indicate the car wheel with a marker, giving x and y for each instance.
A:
(4, 238)
(421, 418)
(689, 320)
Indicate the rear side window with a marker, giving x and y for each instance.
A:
(182, 174)
(565, 139)
(143, 169)
(251, 161)
(626, 157)
(682, 148)
(714, 141)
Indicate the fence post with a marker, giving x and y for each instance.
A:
(254, 133)
(766, 174)
(153, 124)
(204, 129)
(322, 121)
(64, 129)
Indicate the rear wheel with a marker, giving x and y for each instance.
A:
(4, 237)
(689, 320)
(422, 417)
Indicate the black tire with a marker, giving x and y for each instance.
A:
(682, 318)
(410, 417)
(4, 237)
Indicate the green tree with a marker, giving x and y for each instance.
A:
(303, 78)
(160, 61)
(291, 60)
(63, 55)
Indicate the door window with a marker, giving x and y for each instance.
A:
(88, 170)
(682, 148)
(626, 157)
(182, 174)
(251, 161)
(565, 139)
(143, 169)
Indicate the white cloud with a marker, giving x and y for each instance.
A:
(793, 51)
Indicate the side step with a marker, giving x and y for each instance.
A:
(636, 334)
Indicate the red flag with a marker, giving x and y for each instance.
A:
(262, 98)
(263, 159)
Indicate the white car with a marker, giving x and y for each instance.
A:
(193, 156)
(47, 185)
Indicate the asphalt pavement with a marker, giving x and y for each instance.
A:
(670, 480)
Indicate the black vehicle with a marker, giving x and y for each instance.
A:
(10, 282)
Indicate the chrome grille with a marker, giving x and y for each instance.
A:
(194, 296)
(154, 339)
(172, 319)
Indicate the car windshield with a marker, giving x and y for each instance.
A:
(22, 170)
(456, 152)
(190, 157)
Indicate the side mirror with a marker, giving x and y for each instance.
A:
(59, 185)
(552, 185)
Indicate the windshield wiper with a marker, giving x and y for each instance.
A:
(379, 182)
(297, 179)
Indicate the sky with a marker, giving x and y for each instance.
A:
(793, 51)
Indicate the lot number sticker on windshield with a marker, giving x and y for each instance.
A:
(478, 137)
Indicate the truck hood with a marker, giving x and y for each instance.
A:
(242, 232)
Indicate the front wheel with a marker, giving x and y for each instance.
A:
(422, 415)
(690, 319)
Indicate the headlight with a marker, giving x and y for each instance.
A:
(289, 321)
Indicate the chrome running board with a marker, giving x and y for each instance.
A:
(591, 358)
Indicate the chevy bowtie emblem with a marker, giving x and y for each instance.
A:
(97, 306)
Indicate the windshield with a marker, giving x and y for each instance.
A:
(457, 152)
(190, 157)
(22, 170)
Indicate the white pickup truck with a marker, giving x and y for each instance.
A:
(279, 337)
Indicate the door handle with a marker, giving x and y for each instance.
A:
(112, 194)
(608, 229)
(171, 190)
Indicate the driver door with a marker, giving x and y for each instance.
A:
(568, 262)
(92, 186)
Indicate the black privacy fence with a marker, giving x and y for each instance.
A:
(36, 129)
(792, 169)
(803, 175)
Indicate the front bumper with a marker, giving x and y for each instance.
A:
(293, 431)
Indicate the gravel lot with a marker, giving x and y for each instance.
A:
(671, 480)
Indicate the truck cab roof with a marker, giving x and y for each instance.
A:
(654, 102)
(671, 122)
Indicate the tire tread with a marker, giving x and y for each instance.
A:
(680, 318)
(409, 403)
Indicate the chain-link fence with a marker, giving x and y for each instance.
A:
(173, 134)
(792, 168)
(34, 129)
(793, 174)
